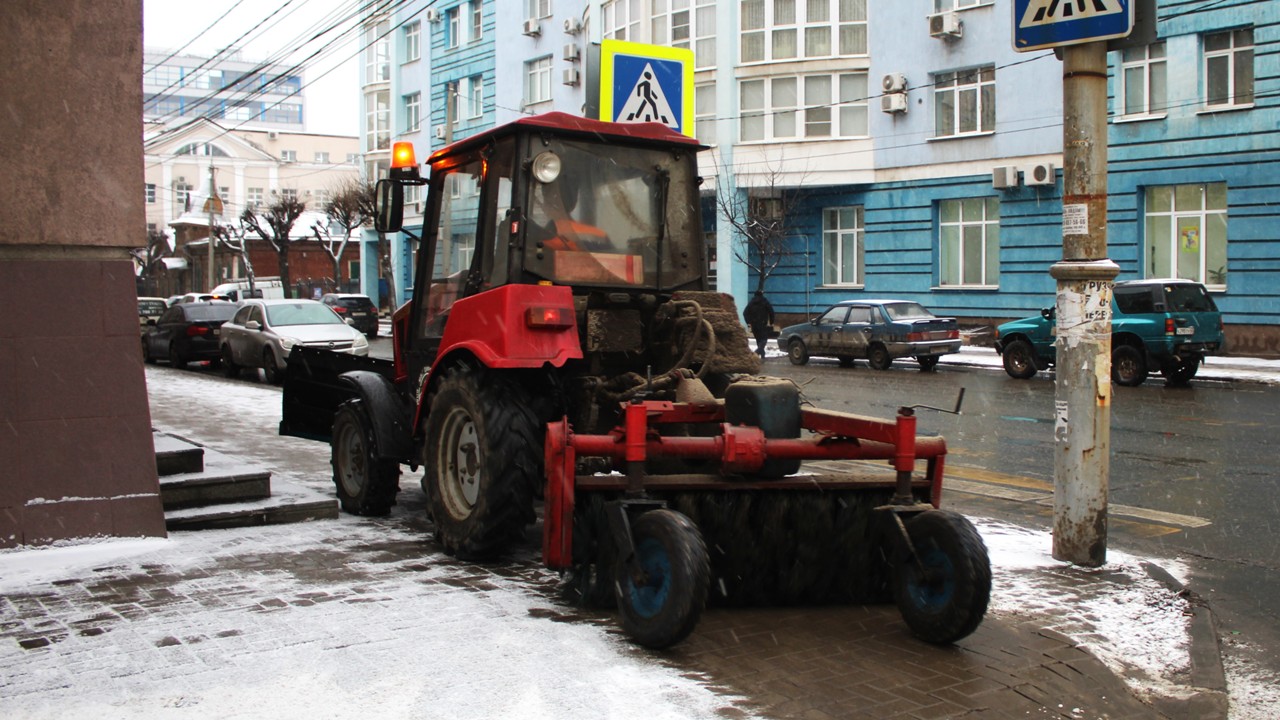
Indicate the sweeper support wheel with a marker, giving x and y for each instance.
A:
(942, 578)
(662, 587)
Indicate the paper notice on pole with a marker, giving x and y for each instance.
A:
(1075, 219)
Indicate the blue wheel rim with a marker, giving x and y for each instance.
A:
(648, 600)
(934, 589)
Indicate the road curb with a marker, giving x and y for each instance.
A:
(1208, 682)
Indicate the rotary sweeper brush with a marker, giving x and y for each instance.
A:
(561, 346)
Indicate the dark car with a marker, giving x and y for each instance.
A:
(187, 332)
(878, 330)
(149, 309)
(358, 309)
(1168, 325)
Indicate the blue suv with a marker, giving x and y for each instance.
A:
(1164, 325)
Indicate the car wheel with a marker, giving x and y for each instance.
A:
(1019, 360)
(146, 353)
(845, 360)
(273, 373)
(797, 352)
(1178, 372)
(229, 366)
(175, 358)
(1128, 366)
(928, 363)
(879, 358)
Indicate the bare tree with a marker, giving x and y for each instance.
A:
(149, 259)
(347, 210)
(368, 208)
(236, 240)
(761, 220)
(275, 226)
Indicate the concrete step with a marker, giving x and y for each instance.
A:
(289, 502)
(223, 479)
(175, 455)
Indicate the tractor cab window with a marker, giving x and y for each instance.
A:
(455, 244)
(604, 215)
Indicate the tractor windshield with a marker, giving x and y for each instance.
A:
(613, 216)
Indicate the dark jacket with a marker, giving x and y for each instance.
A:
(758, 313)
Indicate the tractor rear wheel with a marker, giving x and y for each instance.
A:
(661, 595)
(483, 461)
(943, 589)
(366, 484)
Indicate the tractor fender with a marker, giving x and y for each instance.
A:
(387, 411)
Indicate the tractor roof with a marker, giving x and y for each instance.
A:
(564, 123)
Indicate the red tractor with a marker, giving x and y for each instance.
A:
(563, 352)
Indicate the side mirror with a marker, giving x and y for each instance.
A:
(1048, 313)
(253, 325)
(389, 200)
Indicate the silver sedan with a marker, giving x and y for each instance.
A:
(263, 332)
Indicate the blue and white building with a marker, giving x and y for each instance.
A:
(923, 152)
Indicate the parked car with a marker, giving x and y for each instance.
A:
(359, 310)
(1169, 325)
(150, 308)
(196, 297)
(878, 330)
(266, 287)
(263, 332)
(187, 332)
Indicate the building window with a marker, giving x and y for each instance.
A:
(320, 199)
(413, 112)
(537, 80)
(289, 155)
(964, 103)
(473, 96)
(789, 29)
(948, 5)
(182, 196)
(1142, 79)
(687, 24)
(289, 194)
(452, 28)
(476, 9)
(621, 20)
(536, 9)
(842, 250)
(704, 113)
(377, 54)
(413, 41)
(1228, 68)
(253, 198)
(794, 107)
(969, 242)
(377, 121)
(151, 192)
(353, 158)
(322, 157)
(1186, 227)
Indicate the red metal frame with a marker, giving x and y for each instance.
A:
(739, 449)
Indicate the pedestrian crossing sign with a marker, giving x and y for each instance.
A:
(1040, 24)
(646, 83)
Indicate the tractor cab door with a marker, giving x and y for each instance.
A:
(465, 244)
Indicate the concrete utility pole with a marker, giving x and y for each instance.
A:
(211, 204)
(1082, 396)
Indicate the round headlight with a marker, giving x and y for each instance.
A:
(546, 167)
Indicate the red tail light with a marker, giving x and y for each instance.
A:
(193, 330)
(916, 337)
(339, 309)
(1169, 327)
(549, 318)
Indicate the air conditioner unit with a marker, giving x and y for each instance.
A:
(573, 26)
(945, 24)
(894, 82)
(440, 132)
(1041, 174)
(571, 52)
(433, 15)
(571, 77)
(1005, 176)
(182, 178)
(272, 135)
(532, 28)
(894, 102)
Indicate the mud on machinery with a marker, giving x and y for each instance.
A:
(562, 346)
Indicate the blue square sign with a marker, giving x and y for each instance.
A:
(1039, 24)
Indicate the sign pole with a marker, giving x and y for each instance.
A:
(1082, 388)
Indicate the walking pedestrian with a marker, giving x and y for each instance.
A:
(759, 317)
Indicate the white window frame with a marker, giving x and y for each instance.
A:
(537, 9)
(767, 27)
(475, 9)
(704, 113)
(181, 194)
(537, 86)
(617, 23)
(413, 112)
(840, 242)
(979, 84)
(950, 5)
(254, 197)
(289, 193)
(452, 27)
(413, 41)
(805, 116)
(1146, 66)
(1174, 225)
(473, 95)
(987, 226)
(150, 193)
(377, 118)
(289, 156)
(322, 157)
(1238, 55)
(378, 54)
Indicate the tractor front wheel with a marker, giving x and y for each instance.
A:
(661, 595)
(366, 484)
(942, 582)
(483, 461)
